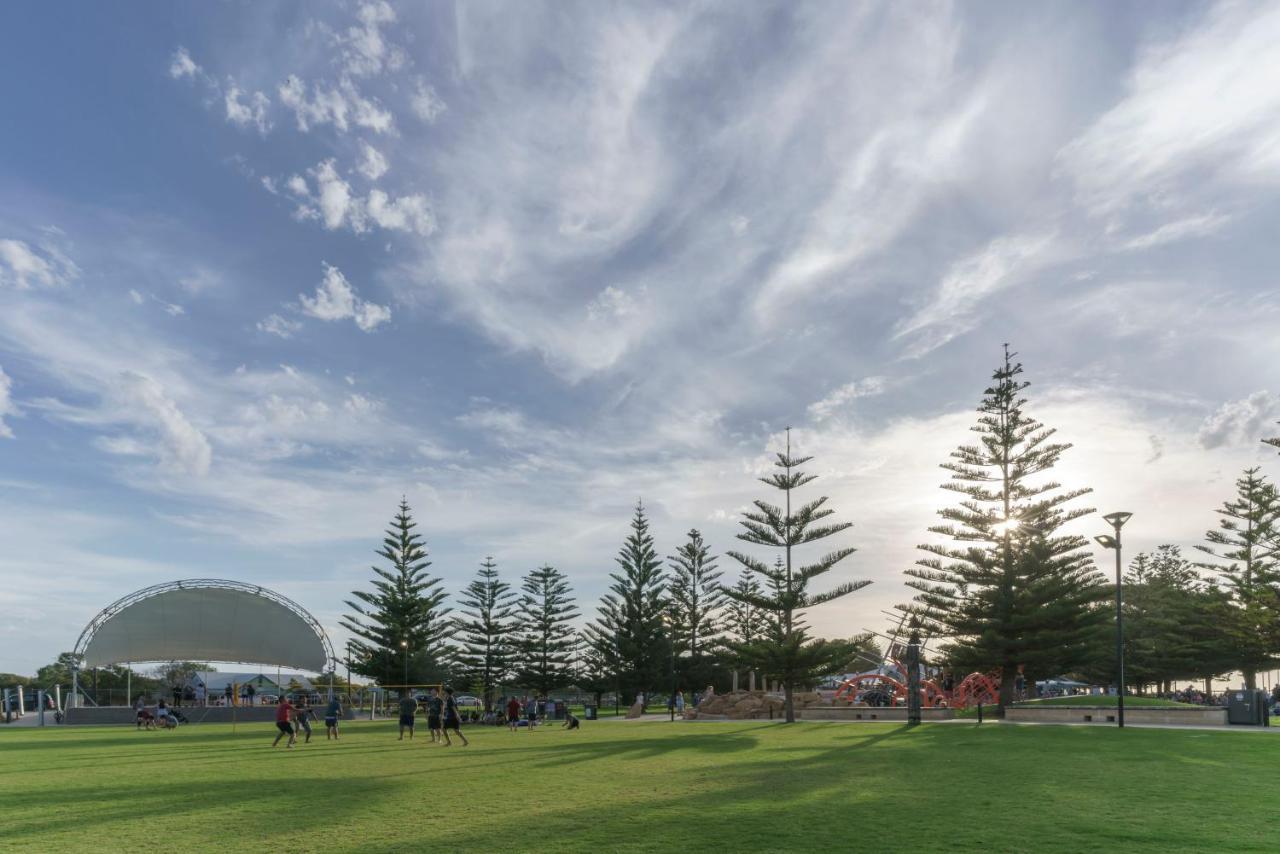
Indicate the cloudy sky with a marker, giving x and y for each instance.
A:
(265, 268)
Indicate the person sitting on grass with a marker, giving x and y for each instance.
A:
(284, 714)
(163, 718)
(570, 721)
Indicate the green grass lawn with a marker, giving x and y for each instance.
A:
(615, 786)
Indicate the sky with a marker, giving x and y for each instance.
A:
(265, 268)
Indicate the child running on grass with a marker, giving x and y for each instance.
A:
(451, 719)
(302, 711)
(284, 712)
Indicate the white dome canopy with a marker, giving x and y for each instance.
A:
(206, 619)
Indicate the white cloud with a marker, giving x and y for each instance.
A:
(365, 50)
(336, 205)
(182, 65)
(425, 102)
(373, 165)
(833, 403)
(274, 324)
(1199, 111)
(136, 296)
(24, 267)
(182, 444)
(172, 309)
(408, 213)
(243, 114)
(1001, 264)
(342, 106)
(1240, 422)
(7, 406)
(335, 299)
(1201, 225)
(611, 304)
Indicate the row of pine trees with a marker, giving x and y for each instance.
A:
(1003, 587)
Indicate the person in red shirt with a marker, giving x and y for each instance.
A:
(284, 722)
(513, 713)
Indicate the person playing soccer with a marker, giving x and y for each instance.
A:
(408, 708)
(452, 721)
(570, 722)
(301, 713)
(284, 712)
(513, 713)
(435, 715)
(332, 712)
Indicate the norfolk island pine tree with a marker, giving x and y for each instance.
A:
(695, 599)
(784, 650)
(628, 634)
(546, 643)
(485, 630)
(743, 622)
(1246, 549)
(1014, 591)
(405, 604)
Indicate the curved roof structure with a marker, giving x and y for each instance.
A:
(206, 619)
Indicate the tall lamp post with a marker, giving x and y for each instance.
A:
(404, 646)
(671, 641)
(1117, 520)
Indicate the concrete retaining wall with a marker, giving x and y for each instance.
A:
(870, 713)
(1189, 716)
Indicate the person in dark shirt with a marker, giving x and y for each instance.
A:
(331, 714)
(435, 715)
(570, 722)
(452, 721)
(408, 708)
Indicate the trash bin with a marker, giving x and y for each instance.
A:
(1245, 708)
(589, 713)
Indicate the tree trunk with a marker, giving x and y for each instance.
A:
(735, 680)
(1250, 679)
(1208, 686)
(788, 703)
(751, 681)
(1007, 677)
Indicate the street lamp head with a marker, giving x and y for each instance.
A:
(1117, 520)
(404, 644)
(1106, 541)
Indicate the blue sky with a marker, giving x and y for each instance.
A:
(265, 268)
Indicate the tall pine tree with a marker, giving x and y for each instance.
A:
(1246, 548)
(785, 651)
(628, 634)
(547, 642)
(405, 605)
(1012, 590)
(485, 631)
(743, 622)
(695, 598)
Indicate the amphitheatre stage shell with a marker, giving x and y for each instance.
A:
(205, 619)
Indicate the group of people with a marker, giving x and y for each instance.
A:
(165, 716)
(293, 719)
(441, 713)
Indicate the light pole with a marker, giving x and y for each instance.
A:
(1117, 520)
(671, 641)
(404, 646)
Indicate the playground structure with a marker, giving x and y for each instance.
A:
(886, 688)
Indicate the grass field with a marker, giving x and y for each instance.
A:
(641, 786)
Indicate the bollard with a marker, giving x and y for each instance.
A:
(40, 705)
(22, 703)
(979, 713)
